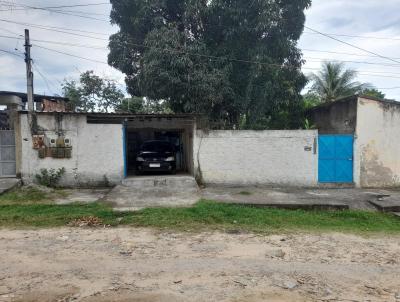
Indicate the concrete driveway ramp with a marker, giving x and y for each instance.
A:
(387, 204)
(7, 184)
(140, 192)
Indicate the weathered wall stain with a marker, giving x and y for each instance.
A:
(335, 118)
(373, 172)
(378, 133)
(97, 150)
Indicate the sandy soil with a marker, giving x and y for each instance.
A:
(128, 264)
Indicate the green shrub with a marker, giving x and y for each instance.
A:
(50, 178)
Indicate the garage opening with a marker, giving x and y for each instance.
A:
(159, 145)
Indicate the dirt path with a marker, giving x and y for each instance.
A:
(128, 264)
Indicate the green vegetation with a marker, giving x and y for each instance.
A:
(25, 196)
(335, 81)
(202, 57)
(50, 178)
(374, 93)
(93, 93)
(245, 193)
(205, 215)
(29, 196)
(50, 215)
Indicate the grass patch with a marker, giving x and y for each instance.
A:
(31, 195)
(50, 215)
(205, 215)
(246, 193)
(23, 196)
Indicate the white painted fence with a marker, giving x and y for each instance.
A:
(257, 157)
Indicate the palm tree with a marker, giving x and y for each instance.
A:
(334, 81)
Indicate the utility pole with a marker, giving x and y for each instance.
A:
(29, 80)
(29, 73)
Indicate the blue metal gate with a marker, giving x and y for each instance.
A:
(335, 164)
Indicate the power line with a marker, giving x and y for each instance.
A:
(376, 76)
(341, 53)
(48, 27)
(49, 41)
(26, 7)
(96, 61)
(105, 48)
(273, 65)
(55, 10)
(355, 36)
(103, 39)
(351, 45)
(71, 55)
(179, 52)
(44, 79)
(354, 62)
(60, 12)
(62, 6)
(97, 47)
(313, 32)
(255, 62)
(369, 73)
(184, 52)
(11, 53)
(40, 70)
(55, 30)
(11, 32)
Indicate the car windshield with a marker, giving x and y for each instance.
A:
(157, 146)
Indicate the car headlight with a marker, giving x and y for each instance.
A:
(139, 158)
(170, 158)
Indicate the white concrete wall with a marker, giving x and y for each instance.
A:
(257, 157)
(97, 151)
(377, 145)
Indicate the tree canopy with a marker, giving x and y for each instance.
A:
(142, 105)
(374, 93)
(93, 93)
(235, 61)
(334, 81)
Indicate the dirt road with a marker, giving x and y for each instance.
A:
(128, 264)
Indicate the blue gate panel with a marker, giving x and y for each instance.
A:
(326, 170)
(335, 164)
(344, 147)
(344, 170)
(326, 147)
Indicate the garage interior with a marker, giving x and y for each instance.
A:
(176, 129)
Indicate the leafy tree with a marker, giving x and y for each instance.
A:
(334, 81)
(131, 105)
(93, 93)
(310, 100)
(373, 92)
(235, 61)
(142, 105)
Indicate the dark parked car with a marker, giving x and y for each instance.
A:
(157, 156)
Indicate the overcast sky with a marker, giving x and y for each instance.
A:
(376, 22)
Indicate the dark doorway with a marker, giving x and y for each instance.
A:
(135, 139)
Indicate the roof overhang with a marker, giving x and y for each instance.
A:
(6, 100)
(120, 118)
